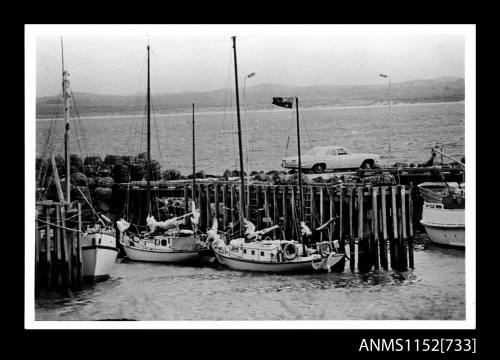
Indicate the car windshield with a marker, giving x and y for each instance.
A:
(313, 152)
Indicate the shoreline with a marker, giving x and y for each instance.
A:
(218, 112)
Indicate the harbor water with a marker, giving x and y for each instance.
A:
(145, 291)
(269, 135)
(434, 290)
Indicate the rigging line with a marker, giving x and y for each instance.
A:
(51, 129)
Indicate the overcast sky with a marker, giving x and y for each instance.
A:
(112, 60)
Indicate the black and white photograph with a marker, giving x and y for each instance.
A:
(252, 176)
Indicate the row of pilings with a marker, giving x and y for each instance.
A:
(373, 223)
(58, 247)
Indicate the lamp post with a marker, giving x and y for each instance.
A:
(246, 135)
(390, 114)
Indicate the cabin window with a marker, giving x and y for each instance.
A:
(99, 241)
(262, 253)
(253, 252)
(157, 242)
(244, 251)
(164, 243)
(342, 152)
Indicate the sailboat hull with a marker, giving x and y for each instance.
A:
(275, 267)
(138, 254)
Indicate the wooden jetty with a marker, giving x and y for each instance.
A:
(58, 251)
(417, 175)
(374, 221)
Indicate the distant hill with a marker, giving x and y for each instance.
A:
(443, 89)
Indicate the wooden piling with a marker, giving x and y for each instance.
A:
(361, 254)
(207, 194)
(275, 211)
(37, 255)
(404, 239)
(294, 216)
(410, 225)
(321, 210)
(233, 204)
(395, 236)
(216, 200)
(48, 248)
(375, 227)
(186, 205)
(57, 230)
(332, 214)
(65, 247)
(352, 253)
(284, 209)
(79, 246)
(224, 206)
(384, 251)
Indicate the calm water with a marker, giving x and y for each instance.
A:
(435, 289)
(415, 129)
(142, 291)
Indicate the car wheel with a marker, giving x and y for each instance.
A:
(318, 169)
(367, 164)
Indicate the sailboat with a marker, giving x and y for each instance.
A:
(254, 251)
(165, 241)
(98, 242)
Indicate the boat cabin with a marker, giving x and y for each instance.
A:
(266, 250)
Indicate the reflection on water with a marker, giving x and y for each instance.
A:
(143, 291)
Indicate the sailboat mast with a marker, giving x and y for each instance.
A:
(65, 85)
(301, 196)
(240, 144)
(148, 167)
(194, 168)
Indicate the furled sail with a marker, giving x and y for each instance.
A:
(167, 224)
(122, 225)
(195, 217)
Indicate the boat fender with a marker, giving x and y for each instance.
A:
(289, 253)
(325, 249)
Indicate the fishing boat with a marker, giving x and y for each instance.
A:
(255, 251)
(166, 241)
(443, 212)
(443, 225)
(99, 251)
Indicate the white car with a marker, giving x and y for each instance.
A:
(321, 158)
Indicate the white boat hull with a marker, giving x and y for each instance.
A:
(276, 267)
(444, 226)
(138, 254)
(98, 256)
(98, 262)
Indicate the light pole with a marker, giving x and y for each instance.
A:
(246, 105)
(390, 114)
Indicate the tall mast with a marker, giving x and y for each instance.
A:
(194, 168)
(65, 85)
(300, 161)
(242, 191)
(148, 167)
